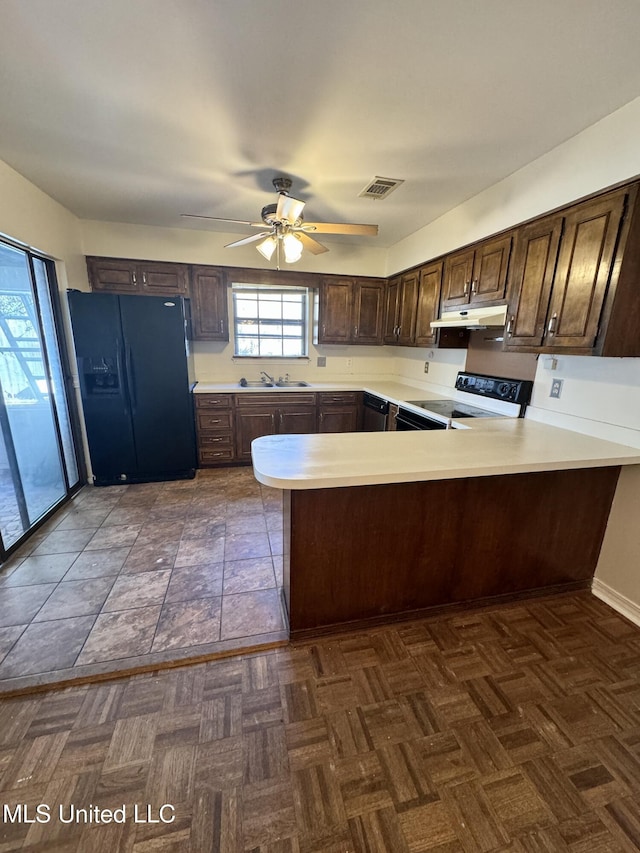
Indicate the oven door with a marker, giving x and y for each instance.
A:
(406, 420)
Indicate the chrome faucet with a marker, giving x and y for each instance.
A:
(266, 378)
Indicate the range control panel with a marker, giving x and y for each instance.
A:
(495, 387)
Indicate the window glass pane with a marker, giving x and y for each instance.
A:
(43, 288)
(270, 316)
(32, 475)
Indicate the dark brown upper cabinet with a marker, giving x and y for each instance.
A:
(392, 302)
(534, 265)
(402, 305)
(153, 278)
(585, 264)
(574, 283)
(478, 275)
(368, 311)
(428, 304)
(350, 311)
(209, 308)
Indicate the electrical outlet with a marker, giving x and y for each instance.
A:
(426, 367)
(556, 388)
(321, 361)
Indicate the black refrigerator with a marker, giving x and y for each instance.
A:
(135, 381)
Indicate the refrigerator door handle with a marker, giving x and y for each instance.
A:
(131, 376)
(122, 373)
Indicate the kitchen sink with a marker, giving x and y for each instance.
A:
(292, 385)
(246, 383)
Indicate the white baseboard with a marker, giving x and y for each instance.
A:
(619, 602)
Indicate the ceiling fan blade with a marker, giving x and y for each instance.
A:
(218, 219)
(288, 209)
(310, 244)
(340, 228)
(252, 239)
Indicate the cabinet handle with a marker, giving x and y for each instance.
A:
(144, 278)
(466, 288)
(355, 332)
(474, 285)
(222, 325)
(134, 279)
(324, 329)
(510, 325)
(552, 324)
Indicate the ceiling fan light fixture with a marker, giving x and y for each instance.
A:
(267, 247)
(292, 248)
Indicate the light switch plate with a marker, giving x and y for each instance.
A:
(556, 388)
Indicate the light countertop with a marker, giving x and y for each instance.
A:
(489, 447)
(399, 393)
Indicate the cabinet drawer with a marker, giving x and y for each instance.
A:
(275, 400)
(213, 401)
(214, 440)
(338, 398)
(214, 420)
(222, 454)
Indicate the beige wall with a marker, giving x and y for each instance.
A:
(31, 217)
(183, 245)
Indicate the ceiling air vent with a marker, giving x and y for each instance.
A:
(378, 188)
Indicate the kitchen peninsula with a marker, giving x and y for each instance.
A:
(382, 524)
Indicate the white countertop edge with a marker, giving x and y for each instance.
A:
(378, 479)
(493, 447)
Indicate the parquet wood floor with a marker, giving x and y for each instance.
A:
(513, 728)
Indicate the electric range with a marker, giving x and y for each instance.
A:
(516, 392)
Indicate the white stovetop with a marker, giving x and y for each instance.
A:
(488, 447)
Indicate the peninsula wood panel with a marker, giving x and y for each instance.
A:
(367, 552)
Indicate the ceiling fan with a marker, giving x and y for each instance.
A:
(288, 232)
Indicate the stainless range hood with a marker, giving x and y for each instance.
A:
(473, 318)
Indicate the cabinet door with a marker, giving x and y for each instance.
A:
(490, 267)
(250, 424)
(428, 304)
(113, 275)
(335, 307)
(534, 265)
(585, 263)
(391, 311)
(209, 311)
(368, 312)
(296, 419)
(164, 279)
(458, 272)
(339, 419)
(408, 308)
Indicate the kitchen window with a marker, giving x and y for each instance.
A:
(270, 322)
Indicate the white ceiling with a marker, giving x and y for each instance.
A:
(137, 110)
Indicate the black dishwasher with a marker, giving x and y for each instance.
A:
(376, 411)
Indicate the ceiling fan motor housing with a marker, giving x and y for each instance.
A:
(269, 213)
(282, 185)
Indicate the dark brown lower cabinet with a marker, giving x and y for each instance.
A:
(271, 413)
(214, 429)
(250, 424)
(368, 553)
(339, 411)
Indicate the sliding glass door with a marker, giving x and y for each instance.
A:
(38, 464)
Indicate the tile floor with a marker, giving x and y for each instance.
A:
(130, 576)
